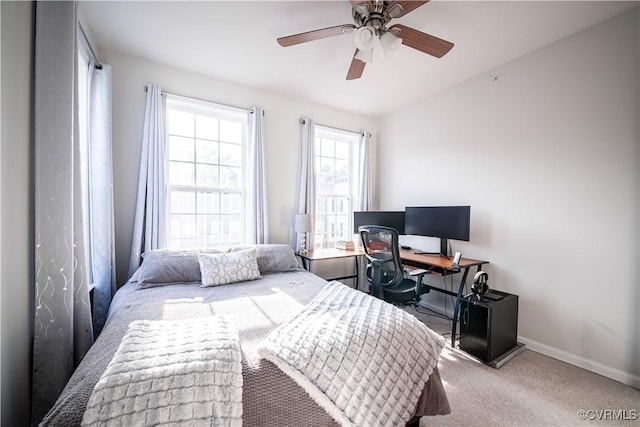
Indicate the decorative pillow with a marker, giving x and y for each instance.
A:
(222, 269)
(273, 258)
(170, 266)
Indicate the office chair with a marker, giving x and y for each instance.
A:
(385, 273)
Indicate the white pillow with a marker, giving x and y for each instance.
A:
(221, 269)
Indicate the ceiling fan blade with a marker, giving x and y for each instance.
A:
(316, 35)
(399, 8)
(363, 7)
(356, 68)
(423, 42)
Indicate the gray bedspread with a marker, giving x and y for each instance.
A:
(270, 398)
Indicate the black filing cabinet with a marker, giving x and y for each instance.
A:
(489, 326)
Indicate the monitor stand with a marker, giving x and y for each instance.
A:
(444, 248)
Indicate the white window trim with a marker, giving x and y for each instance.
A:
(351, 138)
(221, 112)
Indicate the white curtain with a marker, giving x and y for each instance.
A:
(62, 329)
(257, 230)
(362, 191)
(149, 222)
(100, 194)
(307, 179)
(362, 172)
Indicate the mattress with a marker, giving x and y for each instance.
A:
(269, 397)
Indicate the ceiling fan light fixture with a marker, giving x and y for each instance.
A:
(365, 38)
(389, 42)
(365, 56)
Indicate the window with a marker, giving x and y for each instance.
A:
(334, 159)
(206, 146)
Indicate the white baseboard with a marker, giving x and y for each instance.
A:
(627, 378)
(607, 371)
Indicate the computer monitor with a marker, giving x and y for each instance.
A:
(393, 219)
(444, 222)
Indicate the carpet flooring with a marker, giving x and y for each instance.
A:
(529, 390)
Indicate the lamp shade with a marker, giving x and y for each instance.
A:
(389, 42)
(365, 55)
(303, 223)
(365, 38)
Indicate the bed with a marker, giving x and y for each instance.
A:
(258, 307)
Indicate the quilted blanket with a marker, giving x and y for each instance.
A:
(361, 359)
(170, 373)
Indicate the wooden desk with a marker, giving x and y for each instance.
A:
(333, 253)
(435, 263)
(442, 265)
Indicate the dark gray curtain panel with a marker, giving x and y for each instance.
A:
(62, 326)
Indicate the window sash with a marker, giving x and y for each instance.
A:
(212, 188)
(334, 198)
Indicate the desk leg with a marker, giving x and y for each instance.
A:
(357, 276)
(456, 311)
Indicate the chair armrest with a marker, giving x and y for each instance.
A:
(419, 272)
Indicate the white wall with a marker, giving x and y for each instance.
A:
(548, 158)
(16, 217)
(281, 138)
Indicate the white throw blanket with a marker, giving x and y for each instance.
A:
(172, 373)
(361, 359)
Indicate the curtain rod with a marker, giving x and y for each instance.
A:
(302, 121)
(146, 89)
(91, 51)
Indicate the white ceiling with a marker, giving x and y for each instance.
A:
(236, 41)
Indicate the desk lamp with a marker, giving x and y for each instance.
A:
(303, 226)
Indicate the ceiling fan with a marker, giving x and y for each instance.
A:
(371, 18)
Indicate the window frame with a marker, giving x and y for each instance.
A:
(326, 238)
(219, 112)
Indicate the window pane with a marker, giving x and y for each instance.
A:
(206, 127)
(180, 123)
(341, 185)
(208, 202)
(325, 184)
(209, 226)
(342, 205)
(343, 223)
(232, 227)
(230, 131)
(326, 166)
(181, 148)
(181, 173)
(231, 202)
(230, 154)
(230, 177)
(327, 147)
(183, 243)
(206, 151)
(343, 150)
(342, 168)
(207, 175)
(183, 226)
(182, 202)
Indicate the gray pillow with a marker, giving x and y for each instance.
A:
(273, 258)
(170, 266)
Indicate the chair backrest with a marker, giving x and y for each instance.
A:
(382, 250)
